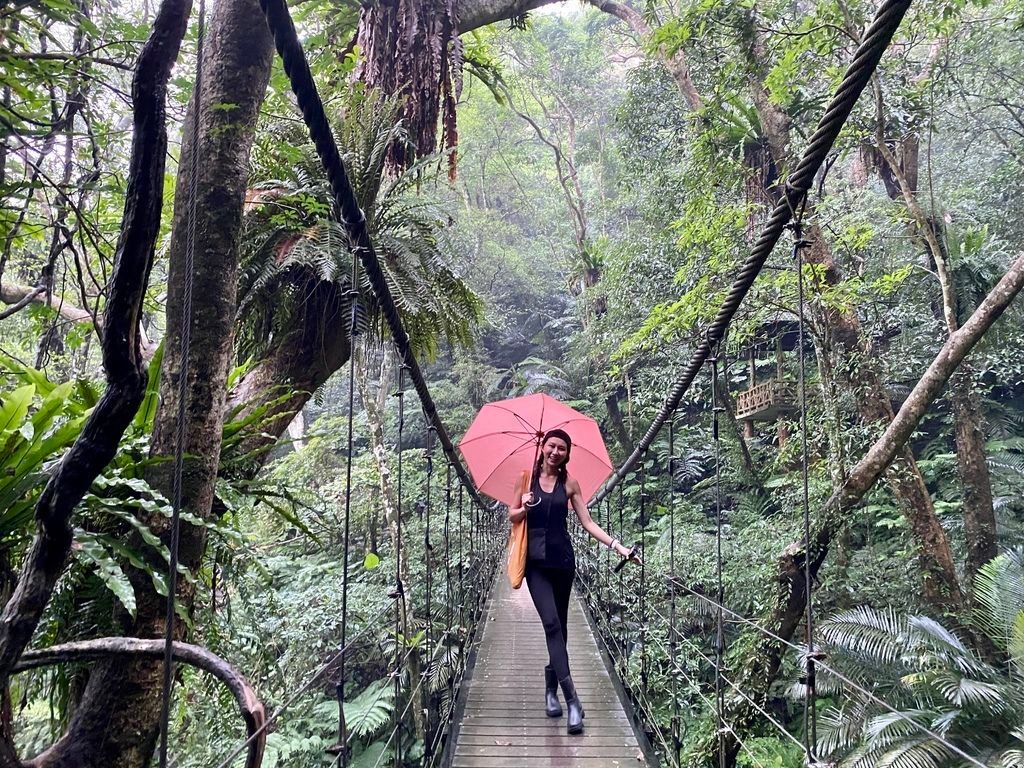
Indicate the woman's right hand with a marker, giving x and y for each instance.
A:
(527, 499)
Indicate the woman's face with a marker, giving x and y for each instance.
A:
(555, 451)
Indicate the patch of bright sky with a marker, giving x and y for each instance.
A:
(570, 9)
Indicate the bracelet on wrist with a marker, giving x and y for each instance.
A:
(611, 544)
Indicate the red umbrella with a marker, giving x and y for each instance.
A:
(504, 438)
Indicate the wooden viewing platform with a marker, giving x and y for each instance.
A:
(503, 724)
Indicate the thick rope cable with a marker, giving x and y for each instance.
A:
(858, 74)
(179, 428)
(308, 98)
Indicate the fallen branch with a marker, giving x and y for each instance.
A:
(123, 363)
(252, 709)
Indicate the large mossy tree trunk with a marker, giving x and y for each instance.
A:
(123, 363)
(116, 723)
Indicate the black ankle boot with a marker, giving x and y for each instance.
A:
(574, 721)
(551, 705)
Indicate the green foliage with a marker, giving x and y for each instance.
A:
(292, 242)
(931, 677)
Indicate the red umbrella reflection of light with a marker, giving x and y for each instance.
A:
(504, 437)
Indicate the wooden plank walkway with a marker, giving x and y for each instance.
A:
(503, 723)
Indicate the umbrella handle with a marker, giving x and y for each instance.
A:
(632, 555)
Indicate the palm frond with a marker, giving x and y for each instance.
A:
(879, 634)
(999, 592)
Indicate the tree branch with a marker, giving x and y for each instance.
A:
(20, 296)
(791, 600)
(122, 356)
(102, 649)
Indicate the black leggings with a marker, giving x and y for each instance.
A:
(550, 588)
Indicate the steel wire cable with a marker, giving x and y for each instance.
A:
(712, 706)
(376, 699)
(673, 647)
(672, 630)
(810, 710)
(412, 698)
(352, 294)
(428, 556)
(728, 728)
(719, 630)
(651, 708)
(293, 58)
(643, 573)
(857, 76)
(741, 619)
(185, 344)
(711, 662)
(226, 762)
(401, 610)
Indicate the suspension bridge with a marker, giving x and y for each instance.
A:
(626, 636)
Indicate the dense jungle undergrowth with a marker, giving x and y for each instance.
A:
(560, 195)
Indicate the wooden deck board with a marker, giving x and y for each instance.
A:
(503, 724)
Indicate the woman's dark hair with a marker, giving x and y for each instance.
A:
(564, 437)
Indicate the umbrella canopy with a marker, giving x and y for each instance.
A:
(504, 437)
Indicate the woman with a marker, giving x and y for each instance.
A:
(551, 563)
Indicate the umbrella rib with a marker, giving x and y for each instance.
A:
(498, 466)
(524, 422)
(508, 432)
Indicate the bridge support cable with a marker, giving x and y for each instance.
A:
(810, 693)
(260, 733)
(719, 585)
(858, 74)
(297, 69)
(673, 648)
(352, 294)
(401, 607)
(185, 343)
(308, 98)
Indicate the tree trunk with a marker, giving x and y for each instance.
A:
(302, 362)
(735, 434)
(611, 404)
(940, 584)
(972, 467)
(116, 724)
(122, 361)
